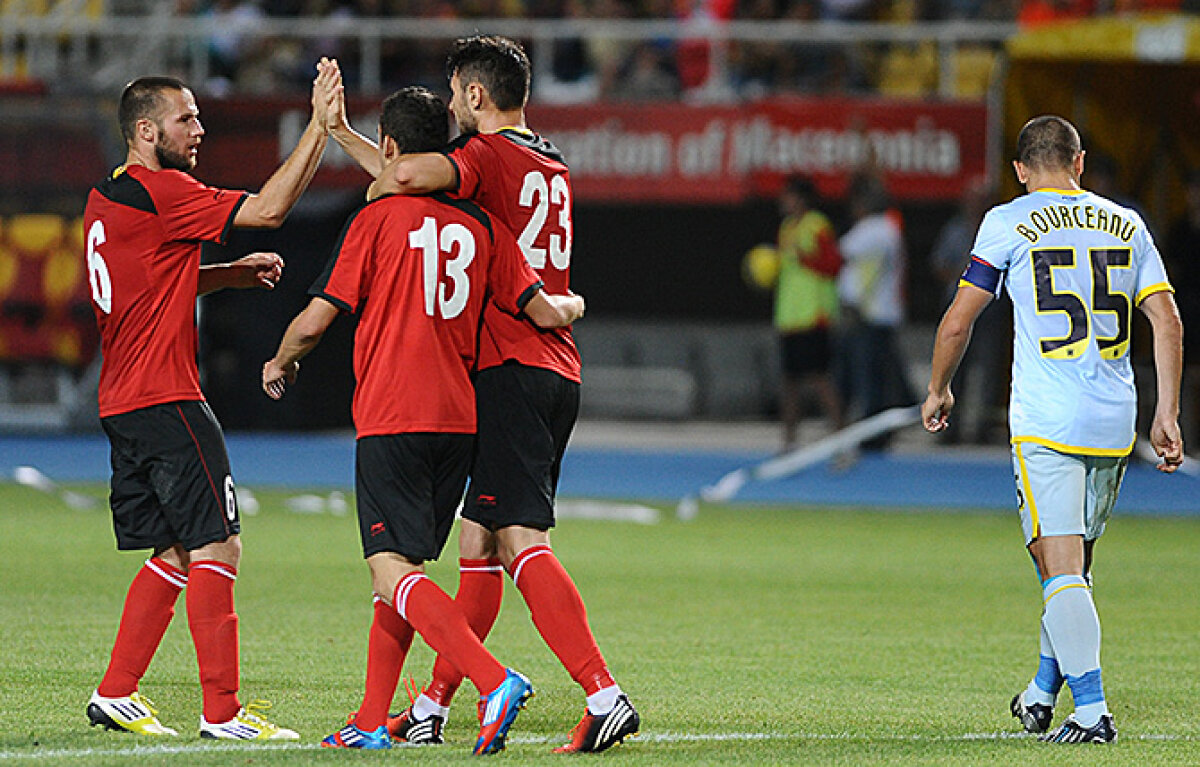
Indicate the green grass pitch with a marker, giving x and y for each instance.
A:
(748, 636)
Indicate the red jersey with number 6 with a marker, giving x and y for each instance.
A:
(417, 271)
(143, 230)
(522, 179)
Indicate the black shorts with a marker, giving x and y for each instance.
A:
(170, 477)
(409, 486)
(806, 352)
(526, 416)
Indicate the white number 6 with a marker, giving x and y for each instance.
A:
(98, 270)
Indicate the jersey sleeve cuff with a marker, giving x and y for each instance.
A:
(1151, 290)
(339, 303)
(457, 176)
(528, 294)
(232, 215)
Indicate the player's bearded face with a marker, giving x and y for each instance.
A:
(460, 108)
(171, 156)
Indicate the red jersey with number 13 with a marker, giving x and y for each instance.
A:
(521, 179)
(143, 230)
(418, 271)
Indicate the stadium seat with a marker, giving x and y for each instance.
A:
(973, 66)
(909, 71)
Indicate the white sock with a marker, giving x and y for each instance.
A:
(602, 701)
(424, 707)
(1074, 630)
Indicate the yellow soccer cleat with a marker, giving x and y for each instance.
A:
(248, 724)
(131, 714)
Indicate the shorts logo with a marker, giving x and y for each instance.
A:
(488, 501)
(230, 499)
(377, 529)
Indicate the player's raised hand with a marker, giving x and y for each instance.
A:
(327, 94)
(935, 413)
(256, 270)
(276, 378)
(1167, 442)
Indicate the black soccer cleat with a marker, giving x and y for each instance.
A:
(1072, 731)
(1034, 718)
(597, 733)
(422, 732)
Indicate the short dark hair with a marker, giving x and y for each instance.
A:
(416, 119)
(497, 63)
(1048, 142)
(142, 100)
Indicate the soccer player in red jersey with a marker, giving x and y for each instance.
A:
(418, 271)
(527, 388)
(172, 490)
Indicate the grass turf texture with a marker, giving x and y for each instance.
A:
(748, 636)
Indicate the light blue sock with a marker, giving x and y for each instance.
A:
(1048, 681)
(1071, 622)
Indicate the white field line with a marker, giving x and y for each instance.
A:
(649, 737)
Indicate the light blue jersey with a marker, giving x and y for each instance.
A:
(1075, 265)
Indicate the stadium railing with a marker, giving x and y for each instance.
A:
(100, 52)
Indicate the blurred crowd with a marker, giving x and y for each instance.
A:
(596, 67)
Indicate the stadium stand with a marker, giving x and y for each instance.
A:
(48, 337)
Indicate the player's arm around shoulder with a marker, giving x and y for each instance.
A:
(1165, 437)
(418, 173)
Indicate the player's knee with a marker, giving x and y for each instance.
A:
(228, 551)
(475, 541)
(515, 539)
(387, 570)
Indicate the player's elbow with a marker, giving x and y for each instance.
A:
(409, 182)
(309, 330)
(954, 328)
(258, 213)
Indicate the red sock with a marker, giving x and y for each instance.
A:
(480, 589)
(441, 624)
(559, 615)
(214, 627)
(387, 647)
(149, 607)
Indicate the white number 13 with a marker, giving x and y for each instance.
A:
(537, 194)
(448, 300)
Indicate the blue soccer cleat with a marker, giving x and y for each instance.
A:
(498, 710)
(352, 737)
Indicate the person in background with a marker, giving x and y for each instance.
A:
(806, 306)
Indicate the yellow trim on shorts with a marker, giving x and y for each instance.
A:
(1035, 527)
(1064, 588)
(1157, 287)
(1103, 452)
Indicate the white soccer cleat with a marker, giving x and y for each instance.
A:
(134, 713)
(249, 724)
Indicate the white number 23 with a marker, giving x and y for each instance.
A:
(536, 193)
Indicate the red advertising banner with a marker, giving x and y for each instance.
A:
(672, 154)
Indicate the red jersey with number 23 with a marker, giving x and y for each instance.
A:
(143, 230)
(521, 178)
(417, 271)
